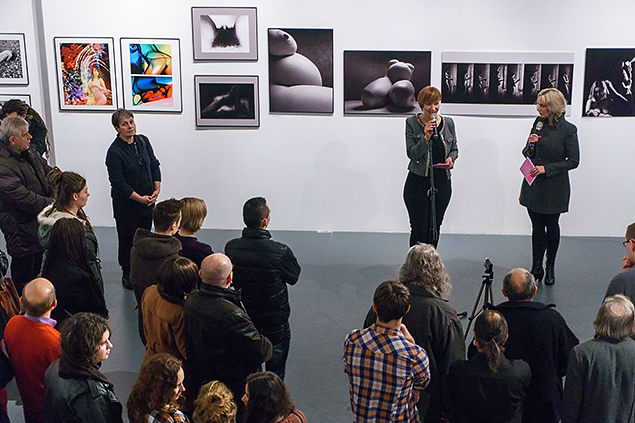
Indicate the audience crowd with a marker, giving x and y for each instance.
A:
(216, 326)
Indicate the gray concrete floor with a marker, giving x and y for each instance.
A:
(339, 274)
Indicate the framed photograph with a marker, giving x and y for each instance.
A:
(384, 82)
(86, 73)
(300, 70)
(225, 33)
(6, 97)
(151, 74)
(608, 82)
(502, 84)
(227, 101)
(13, 69)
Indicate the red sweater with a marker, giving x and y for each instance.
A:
(31, 347)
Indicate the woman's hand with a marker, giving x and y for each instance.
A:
(537, 171)
(450, 163)
(429, 129)
(533, 139)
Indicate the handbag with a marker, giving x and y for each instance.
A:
(9, 299)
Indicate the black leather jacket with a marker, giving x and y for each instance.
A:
(262, 270)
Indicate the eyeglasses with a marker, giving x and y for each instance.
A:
(626, 242)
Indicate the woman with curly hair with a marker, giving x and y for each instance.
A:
(267, 400)
(154, 397)
(215, 404)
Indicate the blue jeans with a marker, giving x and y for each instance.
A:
(280, 337)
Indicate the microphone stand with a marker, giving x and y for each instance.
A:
(432, 194)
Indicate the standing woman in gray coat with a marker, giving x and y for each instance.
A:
(553, 148)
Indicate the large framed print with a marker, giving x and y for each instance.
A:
(225, 33)
(300, 70)
(384, 82)
(608, 82)
(6, 97)
(502, 84)
(151, 74)
(13, 68)
(227, 101)
(86, 73)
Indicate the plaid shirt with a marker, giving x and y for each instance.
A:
(167, 417)
(383, 368)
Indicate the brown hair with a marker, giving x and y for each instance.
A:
(165, 214)
(119, 115)
(193, 213)
(67, 242)
(215, 404)
(177, 277)
(64, 185)
(391, 301)
(268, 398)
(490, 332)
(428, 95)
(80, 336)
(630, 231)
(154, 389)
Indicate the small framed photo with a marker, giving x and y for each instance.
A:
(13, 69)
(230, 101)
(225, 33)
(151, 74)
(86, 73)
(6, 97)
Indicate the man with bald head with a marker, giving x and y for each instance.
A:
(538, 335)
(221, 341)
(33, 344)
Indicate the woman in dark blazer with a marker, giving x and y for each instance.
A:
(553, 148)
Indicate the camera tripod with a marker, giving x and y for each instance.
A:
(485, 292)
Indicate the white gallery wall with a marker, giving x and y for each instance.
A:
(334, 172)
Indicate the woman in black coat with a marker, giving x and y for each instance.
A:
(553, 149)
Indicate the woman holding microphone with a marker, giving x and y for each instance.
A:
(554, 151)
(428, 132)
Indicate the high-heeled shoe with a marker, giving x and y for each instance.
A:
(538, 272)
(550, 276)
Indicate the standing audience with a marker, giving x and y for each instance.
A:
(135, 179)
(75, 391)
(262, 270)
(600, 385)
(37, 127)
(215, 404)
(24, 192)
(433, 323)
(67, 266)
(624, 282)
(488, 388)
(268, 401)
(155, 396)
(193, 212)
(163, 308)
(32, 345)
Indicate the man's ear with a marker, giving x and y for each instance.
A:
(374, 308)
(535, 290)
(504, 292)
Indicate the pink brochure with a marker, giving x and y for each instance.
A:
(526, 169)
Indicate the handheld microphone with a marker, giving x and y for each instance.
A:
(536, 131)
(433, 118)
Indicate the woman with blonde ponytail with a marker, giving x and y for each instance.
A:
(488, 387)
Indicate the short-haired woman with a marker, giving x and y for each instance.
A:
(553, 149)
(428, 132)
(488, 387)
(193, 213)
(75, 391)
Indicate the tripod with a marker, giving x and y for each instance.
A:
(486, 288)
(432, 194)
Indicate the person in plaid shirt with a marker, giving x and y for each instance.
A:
(386, 369)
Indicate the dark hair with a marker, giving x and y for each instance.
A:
(519, 291)
(64, 185)
(15, 105)
(268, 398)
(80, 337)
(119, 115)
(154, 388)
(165, 214)
(630, 231)
(490, 330)
(176, 277)
(214, 404)
(391, 300)
(67, 242)
(254, 210)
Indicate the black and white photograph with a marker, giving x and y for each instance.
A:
(230, 101)
(505, 84)
(385, 82)
(608, 82)
(300, 70)
(13, 68)
(225, 33)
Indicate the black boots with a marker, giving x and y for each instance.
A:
(537, 271)
(550, 277)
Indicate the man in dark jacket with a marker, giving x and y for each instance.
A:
(538, 335)
(151, 249)
(24, 192)
(221, 341)
(262, 270)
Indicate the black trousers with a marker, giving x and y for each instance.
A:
(415, 195)
(24, 269)
(545, 235)
(126, 227)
